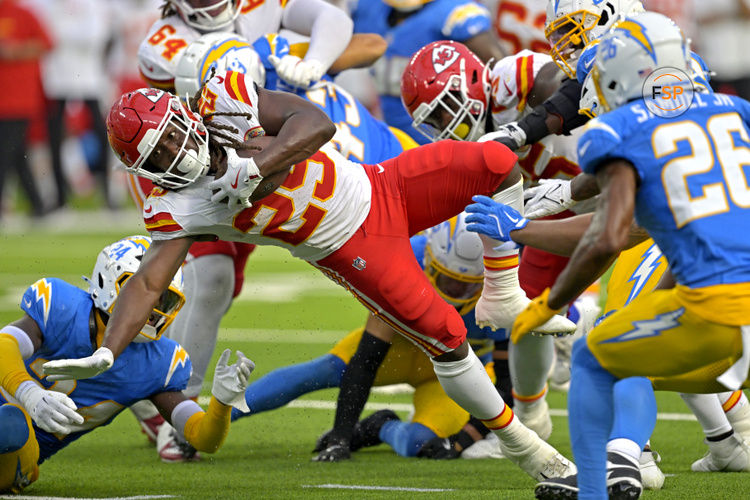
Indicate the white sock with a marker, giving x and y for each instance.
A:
(466, 382)
(144, 409)
(209, 284)
(707, 409)
(732, 402)
(530, 361)
(625, 447)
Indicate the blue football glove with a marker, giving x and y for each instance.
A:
(493, 219)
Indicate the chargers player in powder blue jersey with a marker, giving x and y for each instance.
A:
(360, 137)
(409, 25)
(681, 172)
(452, 258)
(40, 415)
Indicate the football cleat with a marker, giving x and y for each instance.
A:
(557, 488)
(535, 416)
(532, 454)
(367, 431)
(150, 427)
(623, 477)
(652, 477)
(728, 455)
(335, 452)
(173, 448)
(489, 447)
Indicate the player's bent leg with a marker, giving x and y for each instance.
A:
(530, 360)
(19, 450)
(406, 438)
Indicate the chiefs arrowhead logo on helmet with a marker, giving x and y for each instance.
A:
(443, 56)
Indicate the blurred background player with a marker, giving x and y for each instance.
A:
(39, 416)
(452, 259)
(519, 24)
(407, 26)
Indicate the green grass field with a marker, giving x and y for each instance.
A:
(289, 313)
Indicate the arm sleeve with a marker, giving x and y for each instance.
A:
(565, 103)
(12, 370)
(206, 431)
(329, 28)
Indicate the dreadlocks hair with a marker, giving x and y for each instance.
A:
(220, 131)
(167, 9)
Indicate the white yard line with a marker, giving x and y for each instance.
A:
(137, 497)
(375, 488)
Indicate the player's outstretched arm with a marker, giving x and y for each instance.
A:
(131, 311)
(206, 431)
(363, 50)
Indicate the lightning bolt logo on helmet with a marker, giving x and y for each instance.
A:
(443, 56)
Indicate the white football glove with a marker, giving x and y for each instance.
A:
(297, 72)
(510, 135)
(238, 182)
(91, 366)
(230, 381)
(52, 411)
(551, 196)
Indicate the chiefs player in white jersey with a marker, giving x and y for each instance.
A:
(349, 220)
(519, 24)
(450, 93)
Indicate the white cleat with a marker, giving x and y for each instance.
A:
(728, 455)
(489, 447)
(532, 454)
(652, 477)
(172, 448)
(535, 416)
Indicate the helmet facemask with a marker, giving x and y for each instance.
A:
(467, 115)
(189, 164)
(170, 302)
(568, 35)
(458, 289)
(211, 17)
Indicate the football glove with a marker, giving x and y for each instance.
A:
(52, 411)
(91, 366)
(550, 197)
(537, 313)
(238, 182)
(296, 72)
(493, 219)
(510, 135)
(230, 381)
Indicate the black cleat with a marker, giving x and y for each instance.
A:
(366, 431)
(557, 488)
(335, 449)
(623, 477)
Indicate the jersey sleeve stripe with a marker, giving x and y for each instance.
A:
(525, 75)
(163, 222)
(235, 87)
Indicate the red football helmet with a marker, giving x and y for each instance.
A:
(207, 15)
(446, 90)
(135, 126)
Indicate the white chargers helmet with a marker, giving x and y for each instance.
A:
(115, 265)
(629, 54)
(214, 53)
(572, 24)
(589, 104)
(207, 15)
(454, 262)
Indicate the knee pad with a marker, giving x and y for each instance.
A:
(15, 430)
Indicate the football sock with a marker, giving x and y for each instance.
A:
(279, 387)
(707, 409)
(209, 284)
(406, 438)
(634, 412)
(144, 409)
(625, 447)
(356, 383)
(466, 382)
(15, 429)
(591, 411)
(530, 362)
(733, 402)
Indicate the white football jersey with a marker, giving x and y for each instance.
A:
(314, 212)
(162, 48)
(520, 24)
(512, 80)
(258, 17)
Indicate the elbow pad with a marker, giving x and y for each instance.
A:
(565, 103)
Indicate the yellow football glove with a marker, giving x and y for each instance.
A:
(536, 314)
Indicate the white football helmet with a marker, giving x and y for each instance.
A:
(572, 24)
(207, 15)
(407, 5)
(589, 104)
(453, 260)
(115, 264)
(629, 54)
(214, 53)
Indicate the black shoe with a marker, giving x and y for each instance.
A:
(623, 477)
(366, 431)
(557, 488)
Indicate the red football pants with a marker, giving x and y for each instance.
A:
(412, 192)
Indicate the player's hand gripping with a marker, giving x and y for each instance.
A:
(537, 313)
(52, 411)
(230, 381)
(550, 197)
(297, 72)
(238, 182)
(510, 135)
(91, 366)
(493, 219)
